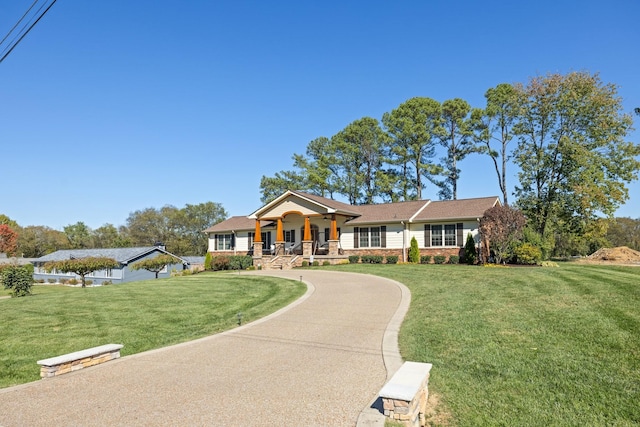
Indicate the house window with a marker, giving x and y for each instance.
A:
(370, 237)
(290, 236)
(444, 234)
(436, 235)
(223, 242)
(108, 273)
(450, 235)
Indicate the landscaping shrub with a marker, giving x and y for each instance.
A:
(316, 263)
(220, 262)
(326, 263)
(207, 261)
(305, 263)
(414, 251)
(454, 259)
(439, 259)
(51, 280)
(371, 259)
(528, 254)
(106, 282)
(240, 262)
(187, 272)
(353, 259)
(88, 282)
(425, 259)
(73, 281)
(17, 278)
(392, 259)
(470, 255)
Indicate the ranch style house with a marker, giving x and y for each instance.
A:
(123, 273)
(299, 226)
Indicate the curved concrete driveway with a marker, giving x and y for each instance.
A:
(318, 362)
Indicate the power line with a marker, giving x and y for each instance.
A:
(22, 33)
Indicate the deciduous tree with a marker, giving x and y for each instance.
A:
(8, 240)
(155, 264)
(82, 266)
(573, 157)
(502, 227)
(35, 241)
(79, 235)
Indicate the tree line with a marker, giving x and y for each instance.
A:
(180, 230)
(565, 135)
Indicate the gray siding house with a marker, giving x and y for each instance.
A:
(124, 273)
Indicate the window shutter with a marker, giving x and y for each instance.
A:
(326, 235)
(383, 236)
(293, 236)
(233, 241)
(215, 239)
(356, 237)
(427, 235)
(459, 234)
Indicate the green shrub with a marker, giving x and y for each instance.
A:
(425, 259)
(354, 259)
(40, 281)
(88, 282)
(220, 262)
(17, 278)
(326, 263)
(439, 259)
(392, 259)
(73, 281)
(305, 263)
(470, 255)
(106, 282)
(240, 262)
(414, 251)
(316, 263)
(51, 280)
(549, 264)
(371, 259)
(207, 261)
(528, 254)
(187, 272)
(454, 259)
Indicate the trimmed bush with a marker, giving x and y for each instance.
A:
(354, 259)
(220, 262)
(528, 254)
(316, 263)
(207, 261)
(425, 259)
(392, 259)
(454, 259)
(51, 280)
(73, 281)
(470, 255)
(326, 263)
(439, 259)
(305, 263)
(371, 259)
(240, 262)
(88, 282)
(414, 251)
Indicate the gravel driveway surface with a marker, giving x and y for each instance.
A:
(318, 362)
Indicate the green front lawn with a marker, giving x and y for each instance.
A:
(141, 315)
(525, 346)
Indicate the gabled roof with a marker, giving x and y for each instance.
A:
(457, 209)
(236, 223)
(388, 212)
(122, 255)
(323, 203)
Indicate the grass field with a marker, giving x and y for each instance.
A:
(141, 315)
(525, 346)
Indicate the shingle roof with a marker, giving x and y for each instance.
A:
(330, 203)
(389, 212)
(457, 209)
(122, 255)
(236, 223)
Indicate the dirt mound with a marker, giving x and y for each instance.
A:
(621, 254)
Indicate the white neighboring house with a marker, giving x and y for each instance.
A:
(300, 226)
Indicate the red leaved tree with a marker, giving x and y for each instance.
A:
(8, 240)
(501, 227)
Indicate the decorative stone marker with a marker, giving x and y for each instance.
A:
(59, 365)
(404, 397)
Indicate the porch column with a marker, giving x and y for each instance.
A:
(257, 241)
(333, 237)
(307, 243)
(279, 233)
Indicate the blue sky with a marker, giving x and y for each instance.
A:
(111, 107)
